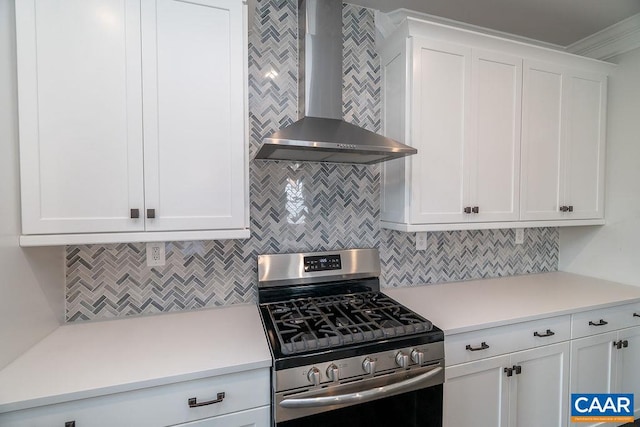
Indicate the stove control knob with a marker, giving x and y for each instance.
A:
(369, 365)
(332, 373)
(402, 360)
(417, 356)
(314, 376)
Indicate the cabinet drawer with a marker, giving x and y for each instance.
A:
(466, 347)
(154, 406)
(604, 320)
(258, 417)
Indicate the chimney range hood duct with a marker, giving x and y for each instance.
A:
(321, 135)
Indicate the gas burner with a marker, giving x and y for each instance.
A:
(334, 321)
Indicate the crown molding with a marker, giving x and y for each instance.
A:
(386, 23)
(617, 39)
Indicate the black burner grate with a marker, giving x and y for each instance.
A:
(335, 321)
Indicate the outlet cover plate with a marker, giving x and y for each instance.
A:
(155, 254)
(421, 241)
(519, 236)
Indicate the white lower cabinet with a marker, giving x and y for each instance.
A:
(510, 390)
(628, 373)
(607, 363)
(477, 394)
(540, 387)
(246, 402)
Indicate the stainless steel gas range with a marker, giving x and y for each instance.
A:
(344, 353)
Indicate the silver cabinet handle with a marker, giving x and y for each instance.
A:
(193, 402)
(361, 396)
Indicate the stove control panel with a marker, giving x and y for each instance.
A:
(333, 372)
(322, 263)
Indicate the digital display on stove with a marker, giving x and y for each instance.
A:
(322, 263)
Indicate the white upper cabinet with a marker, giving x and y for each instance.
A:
(132, 120)
(441, 113)
(194, 112)
(80, 115)
(464, 119)
(495, 135)
(563, 143)
(508, 134)
(585, 138)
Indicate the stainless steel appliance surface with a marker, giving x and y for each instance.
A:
(344, 353)
(320, 134)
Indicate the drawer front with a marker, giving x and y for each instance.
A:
(258, 417)
(604, 320)
(154, 406)
(467, 347)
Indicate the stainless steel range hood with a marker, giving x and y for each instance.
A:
(321, 135)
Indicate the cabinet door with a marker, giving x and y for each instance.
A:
(440, 120)
(258, 417)
(628, 373)
(543, 382)
(495, 166)
(585, 104)
(80, 115)
(194, 102)
(477, 393)
(541, 163)
(593, 365)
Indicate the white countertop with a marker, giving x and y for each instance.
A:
(96, 358)
(477, 304)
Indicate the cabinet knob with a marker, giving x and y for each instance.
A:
(467, 210)
(151, 213)
(70, 424)
(517, 369)
(135, 213)
(508, 371)
(475, 209)
(563, 208)
(570, 208)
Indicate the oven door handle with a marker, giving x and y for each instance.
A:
(361, 396)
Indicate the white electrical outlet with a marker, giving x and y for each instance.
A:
(519, 236)
(155, 254)
(421, 241)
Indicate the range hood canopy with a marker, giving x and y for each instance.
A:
(321, 135)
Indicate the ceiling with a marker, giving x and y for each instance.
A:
(560, 22)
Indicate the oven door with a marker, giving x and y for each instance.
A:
(406, 398)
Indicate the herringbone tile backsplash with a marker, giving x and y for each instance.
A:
(294, 207)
